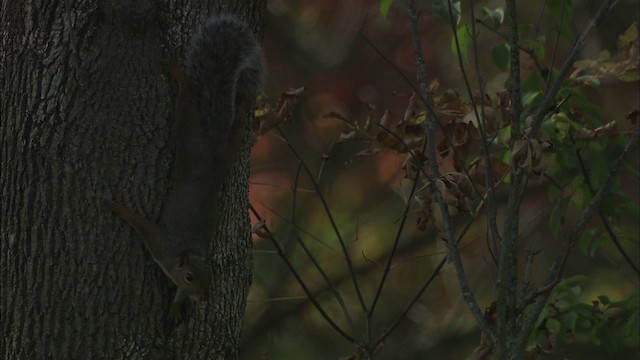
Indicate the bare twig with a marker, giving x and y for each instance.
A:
(396, 240)
(306, 290)
(526, 278)
(313, 259)
(411, 303)
(540, 13)
(555, 47)
(550, 94)
(507, 273)
(515, 91)
(605, 221)
(467, 293)
(491, 199)
(329, 216)
(389, 62)
(422, 289)
(507, 251)
(426, 102)
(524, 49)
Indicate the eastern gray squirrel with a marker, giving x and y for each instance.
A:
(223, 75)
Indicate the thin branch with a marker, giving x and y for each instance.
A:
(491, 199)
(550, 94)
(279, 187)
(556, 42)
(422, 289)
(524, 49)
(384, 57)
(467, 293)
(396, 240)
(526, 278)
(557, 268)
(329, 216)
(507, 273)
(411, 303)
(306, 290)
(539, 20)
(427, 103)
(299, 229)
(605, 221)
(507, 252)
(516, 90)
(313, 259)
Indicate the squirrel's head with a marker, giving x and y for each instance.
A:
(191, 276)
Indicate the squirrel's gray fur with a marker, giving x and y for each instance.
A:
(224, 70)
(225, 58)
(224, 73)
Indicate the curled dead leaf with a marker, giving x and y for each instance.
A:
(527, 156)
(267, 118)
(584, 134)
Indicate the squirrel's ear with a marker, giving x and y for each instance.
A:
(146, 229)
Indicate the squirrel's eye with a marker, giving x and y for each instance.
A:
(188, 277)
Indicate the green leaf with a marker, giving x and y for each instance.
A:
(577, 186)
(632, 300)
(463, 40)
(384, 7)
(554, 192)
(585, 240)
(441, 9)
(585, 311)
(576, 290)
(495, 15)
(500, 55)
(609, 206)
(630, 209)
(597, 243)
(506, 157)
(561, 16)
(536, 46)
(543, 315)
(576, 279)
(553, 326)
(549, 128)
(530, 97)
(606, 336)
(569, 320)
(633, 324)
(534, 82)
(632, 171)
(622, 304)
(604, 300)
(539, 47)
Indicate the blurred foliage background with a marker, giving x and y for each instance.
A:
(319, 45)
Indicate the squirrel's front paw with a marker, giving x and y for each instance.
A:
(176, 313)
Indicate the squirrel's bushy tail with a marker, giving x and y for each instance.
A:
(224, 73)
(225, 66)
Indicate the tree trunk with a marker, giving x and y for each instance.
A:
(85, 108)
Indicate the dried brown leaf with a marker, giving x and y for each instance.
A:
(527, 157)
(340, 117)
(287, 100)
(371, 113)
(364, 153)
(414, 113)
(584, 134)
(344, 137)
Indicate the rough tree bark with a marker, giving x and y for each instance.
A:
(85, 108)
